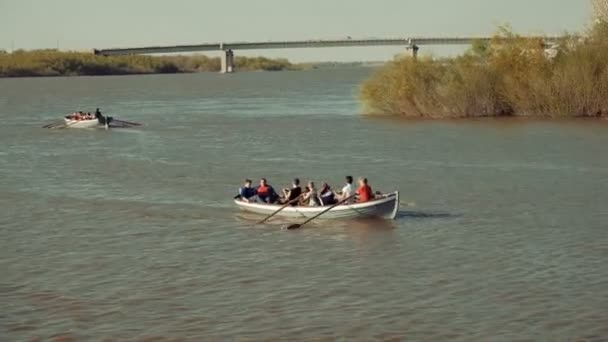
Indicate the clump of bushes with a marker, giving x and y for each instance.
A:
(262, 63)
(509, 76)
(56, 63)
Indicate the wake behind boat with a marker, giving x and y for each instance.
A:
(87, 120)
(383, 206)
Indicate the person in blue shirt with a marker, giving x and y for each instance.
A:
(247, 192)
(326, 195)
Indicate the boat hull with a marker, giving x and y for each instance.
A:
(385, 207)
(94, 123)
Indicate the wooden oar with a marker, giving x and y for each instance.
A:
(129, 122)
(296, 225)
(68, 124)
(53, 124)
(281, 208)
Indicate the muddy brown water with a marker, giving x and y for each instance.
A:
(132, 235)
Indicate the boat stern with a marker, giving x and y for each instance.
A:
(396, 207)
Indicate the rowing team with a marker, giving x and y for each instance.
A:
(81, 116)
(311, 196)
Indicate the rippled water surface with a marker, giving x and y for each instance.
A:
(131, 234)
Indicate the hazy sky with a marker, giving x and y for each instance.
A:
(82, 24)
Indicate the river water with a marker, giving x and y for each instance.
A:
(131, 234)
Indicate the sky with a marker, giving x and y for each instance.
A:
(87, 24)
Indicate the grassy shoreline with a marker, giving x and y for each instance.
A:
(509, 77)
(48, 63)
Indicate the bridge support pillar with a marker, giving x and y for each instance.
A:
(415, 49)
(227, 65)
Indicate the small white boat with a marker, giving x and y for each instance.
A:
(80, 120)
(383, 206)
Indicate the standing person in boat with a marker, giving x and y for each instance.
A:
(266, 192)
(293, 193)
(247, 192)
(365, 191)
(326, 195)
(348, 190)
(99, 117)
(311, 198)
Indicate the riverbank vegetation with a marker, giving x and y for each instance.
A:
(58, 63)
(509, 76)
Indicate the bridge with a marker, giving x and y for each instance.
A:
(227, 57)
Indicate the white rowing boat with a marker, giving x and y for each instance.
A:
(78, 120)
(384, 206)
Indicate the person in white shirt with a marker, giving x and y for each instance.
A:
(348, 190)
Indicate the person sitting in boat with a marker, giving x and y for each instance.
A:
(75, 116)
(326, 195)
(247, 192)
(294, 192)
(311, 197)
(347, 191)
(365, 192)
(266, 192)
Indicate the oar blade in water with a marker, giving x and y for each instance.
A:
(293, 226)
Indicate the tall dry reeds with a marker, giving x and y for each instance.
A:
(509, 76)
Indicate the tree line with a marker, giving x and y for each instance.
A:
(59, 63)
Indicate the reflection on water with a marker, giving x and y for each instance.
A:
(132, 234)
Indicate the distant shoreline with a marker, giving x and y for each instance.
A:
(48, 63)
(53, 63)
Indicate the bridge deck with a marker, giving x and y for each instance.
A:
(406, 42)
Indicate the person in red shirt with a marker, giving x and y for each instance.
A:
(365, 191)
(266, 193)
